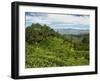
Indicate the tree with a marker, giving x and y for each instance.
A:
(36, 33)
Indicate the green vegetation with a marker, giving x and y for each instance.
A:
(47, 48)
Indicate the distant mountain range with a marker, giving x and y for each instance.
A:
(72, 31)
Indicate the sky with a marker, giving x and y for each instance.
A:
(58, 21)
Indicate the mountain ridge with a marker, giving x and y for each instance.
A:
(72, 31)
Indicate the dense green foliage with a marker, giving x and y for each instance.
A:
(47, 48)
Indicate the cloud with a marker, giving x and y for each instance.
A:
(58, 21)
(35, 14)
(39, 19)
(72, 19)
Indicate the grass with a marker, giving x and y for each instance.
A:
(54, 52)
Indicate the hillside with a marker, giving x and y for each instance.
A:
(47, 48)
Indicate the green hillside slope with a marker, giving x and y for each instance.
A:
(47, 48)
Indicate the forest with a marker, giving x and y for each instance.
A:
(45, 47)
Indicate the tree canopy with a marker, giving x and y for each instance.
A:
(36, 32)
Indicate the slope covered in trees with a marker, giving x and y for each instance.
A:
(47, 48)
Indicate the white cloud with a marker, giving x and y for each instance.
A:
(38, 19)
(84, 20)
(68, 19)
(59, 21)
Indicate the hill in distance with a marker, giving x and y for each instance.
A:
(72, 31)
